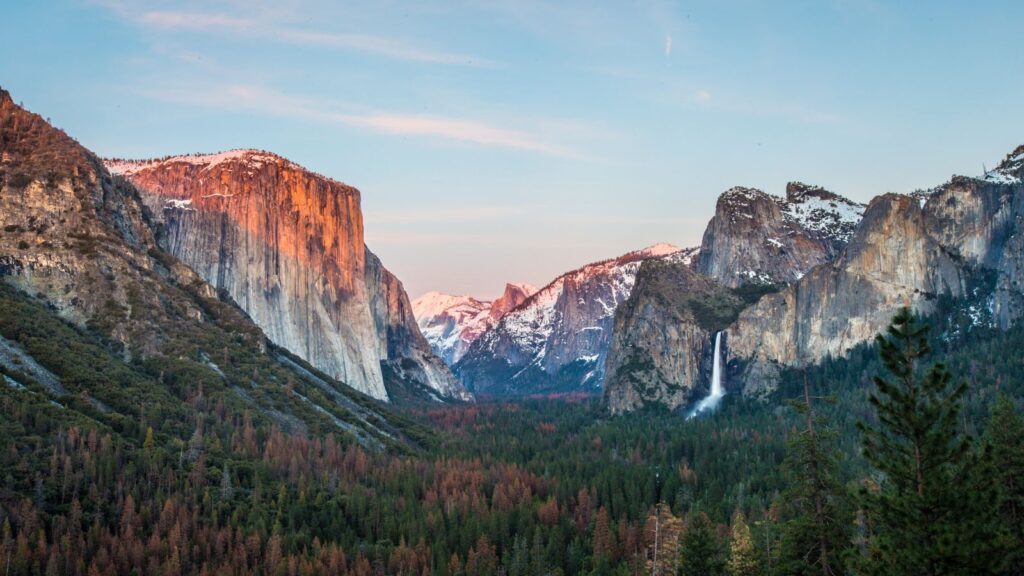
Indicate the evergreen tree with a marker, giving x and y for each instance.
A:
(1004, 438)
(702, 553)
(928, 514)
(816, 530)
(743, 559)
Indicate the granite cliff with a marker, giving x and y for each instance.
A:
(755, 237)
(837, 277)
(961, 239)
(80, 246)
(286, 244)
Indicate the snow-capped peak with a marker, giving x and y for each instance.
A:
(817, 210)
(434, 303)
(570, 319)
(659, 249)
(450, 323)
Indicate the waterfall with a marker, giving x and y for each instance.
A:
(710, 402)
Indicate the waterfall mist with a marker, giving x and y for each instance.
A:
(710, 402)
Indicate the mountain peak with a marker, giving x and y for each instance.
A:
(742, 195)
(5, 97)
(1010, 168)
(659, 249)
(798, 191)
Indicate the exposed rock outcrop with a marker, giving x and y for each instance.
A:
(286, 245)
(755, 237)
(663, 340)
(82, 243)
(403, 350)
(962, 240)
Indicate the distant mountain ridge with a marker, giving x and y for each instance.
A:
(452, 323)
(557, 338)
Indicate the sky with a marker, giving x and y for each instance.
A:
(512, 140)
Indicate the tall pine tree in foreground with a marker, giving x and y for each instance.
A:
(932, 512)
(816, 534)
(1004, 439)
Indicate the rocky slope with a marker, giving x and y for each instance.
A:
(755, 237)
(80, 244)
(406, 356)
(663, 337)
(558, 338)
(451, 323)
(287, 245)
(962, 239)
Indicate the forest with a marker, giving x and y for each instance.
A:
(903, 458)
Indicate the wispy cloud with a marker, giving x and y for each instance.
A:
(255, 98)
(194, 20)
(668, 45)
(270, 29)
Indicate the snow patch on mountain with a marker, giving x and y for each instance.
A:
(567, 321)
(451, 323)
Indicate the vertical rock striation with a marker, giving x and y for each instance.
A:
(286, 245)
(403, 350)
(662, 344)
(962, 239)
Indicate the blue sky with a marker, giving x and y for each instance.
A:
(511, 140)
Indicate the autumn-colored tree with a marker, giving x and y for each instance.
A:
(603, 538)
(661, 541)
(743, 560)
(482, 559)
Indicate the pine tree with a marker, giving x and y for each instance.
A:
(815, 534)
(743, 559)
(702, 553)
(1004, 438)
(928, 515)
(661, 540)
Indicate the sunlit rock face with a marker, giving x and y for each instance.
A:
(286, 244)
